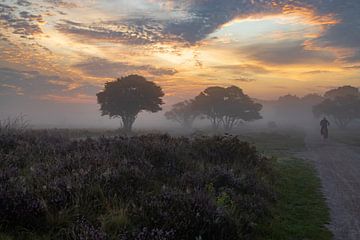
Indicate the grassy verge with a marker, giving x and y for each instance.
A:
(300, 211)
(277, 143)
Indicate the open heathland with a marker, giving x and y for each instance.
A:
(142, 187)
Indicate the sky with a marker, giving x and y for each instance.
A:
(55, 55)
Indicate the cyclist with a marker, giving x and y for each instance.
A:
(324, 128)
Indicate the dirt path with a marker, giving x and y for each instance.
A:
(339, 169)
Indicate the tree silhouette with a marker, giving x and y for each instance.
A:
(183, 113)
(311, 100)
(288, 105)
(227, 107)
(342, 92)
(343, 109)
(127, 97)
(297, 110)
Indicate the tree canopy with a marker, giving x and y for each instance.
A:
(342, 109)
(126, 97)
(227, 107)
(342, 91)
(183, 113)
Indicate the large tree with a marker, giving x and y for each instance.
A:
(343, 109)
(227, 107)
(183, 113)
(126, 97)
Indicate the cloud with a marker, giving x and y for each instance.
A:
(9, 88)
(36, 84)
(21, 23)
(29, 82)
(340, 19)
(287, 53)
(243, 79)
(206, 16)
(103, 68)
(354, 67)
(23, 3)
(200, 18)
(316, 72)
(130, 31)
(346, 33)
(63, 4)
(244, 68)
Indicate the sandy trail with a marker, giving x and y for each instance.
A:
(339, 168)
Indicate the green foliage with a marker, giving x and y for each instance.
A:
(300, 211)
(128, 96)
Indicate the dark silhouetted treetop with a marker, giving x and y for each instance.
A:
(312, 99)
(294, 109)
(183, 113)
(128, 96)
(342, 91)
(227, 107)
(289, 98)
(342, 110)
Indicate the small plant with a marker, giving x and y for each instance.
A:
(12, 124)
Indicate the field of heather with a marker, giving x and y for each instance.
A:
(141, 187)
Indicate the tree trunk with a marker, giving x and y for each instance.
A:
(215, 122)
(128, 122)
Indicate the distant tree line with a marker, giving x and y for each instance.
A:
(341, 105)
(225, 108)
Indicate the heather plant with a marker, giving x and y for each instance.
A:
(141, 187)
(14, 124)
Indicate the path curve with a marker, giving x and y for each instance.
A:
(338, 166)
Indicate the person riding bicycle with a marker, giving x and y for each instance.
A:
(324, 128)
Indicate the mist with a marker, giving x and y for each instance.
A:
(289, 111)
